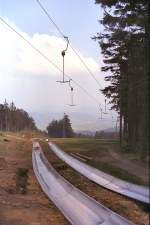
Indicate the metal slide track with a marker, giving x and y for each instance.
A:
(137, 192)
(77, 207)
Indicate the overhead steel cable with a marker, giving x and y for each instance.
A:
(46, 58)
(31, 45)
(50, 18)
(88, 69)
(64, 37)
(62, 34)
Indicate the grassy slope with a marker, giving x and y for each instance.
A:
(124, 206)
(34, 208)
(98, 150)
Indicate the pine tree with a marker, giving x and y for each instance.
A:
(125, 44)
(60, 128)
(14, 119)
(67, 126)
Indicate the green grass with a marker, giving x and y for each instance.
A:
(116, 172)
(87, 145)
(96, 148)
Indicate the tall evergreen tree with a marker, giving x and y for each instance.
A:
(67, 126)
(60, 128)
(14, 119)
(125, 44)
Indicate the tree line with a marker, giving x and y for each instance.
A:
(15, 119)
(124, 45)
(60, 128)
(106, 135)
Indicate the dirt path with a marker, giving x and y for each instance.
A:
(130, 166)
(32, 208)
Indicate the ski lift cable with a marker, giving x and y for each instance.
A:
(68, 43)
(62, 34)
(47, 59)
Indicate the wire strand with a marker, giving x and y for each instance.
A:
(62, 34)
(46, 58)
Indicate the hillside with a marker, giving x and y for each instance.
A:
(22, 200)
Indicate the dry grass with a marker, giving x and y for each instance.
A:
(33, 207)
(106, 156)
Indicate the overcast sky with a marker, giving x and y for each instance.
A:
(30, 81)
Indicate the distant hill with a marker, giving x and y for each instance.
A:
(81, 122)
(86, 132)
(111, 130)
(92, 133)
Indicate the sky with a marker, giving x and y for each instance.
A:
(30, 81)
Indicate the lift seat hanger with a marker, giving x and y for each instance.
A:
(72, 95)
(105, 112)
(63, 55)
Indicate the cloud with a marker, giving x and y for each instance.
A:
(22, 58)
(30, 80)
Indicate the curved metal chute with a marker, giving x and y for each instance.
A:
(77, 207)
(137, 192)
